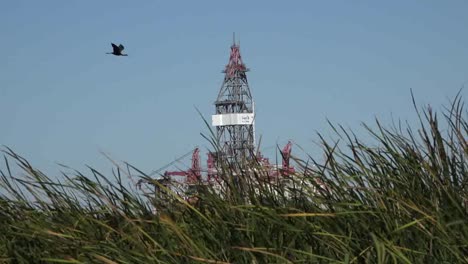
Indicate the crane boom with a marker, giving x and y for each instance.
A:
(170, 164)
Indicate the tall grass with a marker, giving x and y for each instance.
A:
(402, 200)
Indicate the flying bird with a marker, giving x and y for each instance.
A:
(117, 50)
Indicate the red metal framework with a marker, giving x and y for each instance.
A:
(235, 64)
(193, 174)
(286, 156)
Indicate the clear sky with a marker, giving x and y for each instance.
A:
(62, 99)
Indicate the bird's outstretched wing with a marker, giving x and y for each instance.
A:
(121, 47)
(116, 49)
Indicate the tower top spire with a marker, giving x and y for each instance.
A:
(234, 39)
(235, 64)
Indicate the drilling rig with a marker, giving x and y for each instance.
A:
(234, 117)
(234, 120)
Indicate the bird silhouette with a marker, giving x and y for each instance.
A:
(117, 50)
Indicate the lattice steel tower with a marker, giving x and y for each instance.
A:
(234, 118)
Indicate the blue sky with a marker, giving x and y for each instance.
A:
(62, 99)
